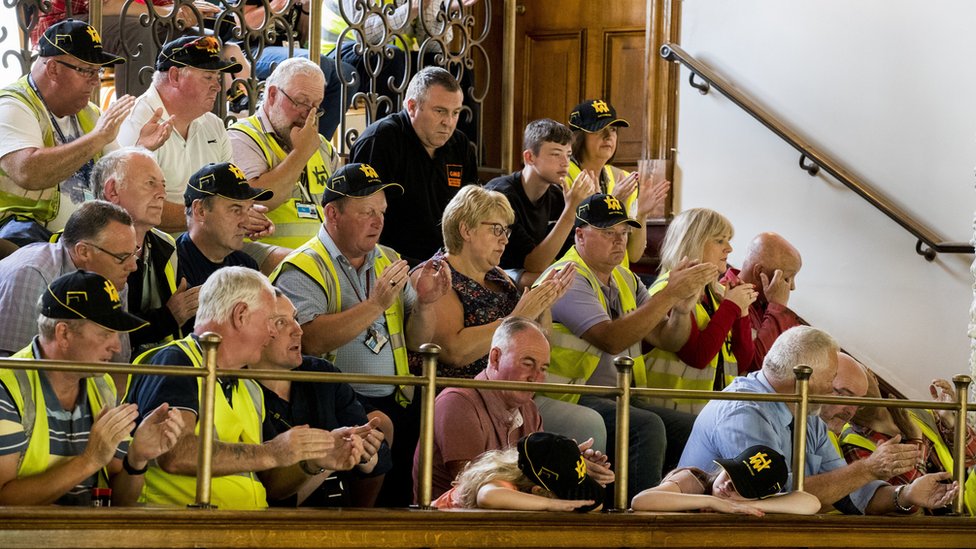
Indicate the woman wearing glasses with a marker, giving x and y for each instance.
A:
(475, 226)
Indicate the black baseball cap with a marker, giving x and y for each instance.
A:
(593, 115)
(201, 52)
(554, 462)
(354, 180)
(77, 39)
(225, 180)
(757, 473)
(88, 296)
(602, 211)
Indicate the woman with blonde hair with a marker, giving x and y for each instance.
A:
(594, 123)
(719, 346)
(543, 472)
(476, 224)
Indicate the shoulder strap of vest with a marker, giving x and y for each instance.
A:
(29, 411)
(850, 437)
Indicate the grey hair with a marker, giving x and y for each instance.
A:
(799, 345)
(226, 288)
(290, 68)
(510, 327)
(115, 165)
(425, 79)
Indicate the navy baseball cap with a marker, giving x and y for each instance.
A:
(77, 39)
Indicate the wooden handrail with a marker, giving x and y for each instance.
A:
(812, 159)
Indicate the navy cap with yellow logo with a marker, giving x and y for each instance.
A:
(225, 180)
(354, 180)
(593, 115)
(758, 472)
(554, 462)
(602, 211)
(77, 39)
(200, 52)
(88, 296)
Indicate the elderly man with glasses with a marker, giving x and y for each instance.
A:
(51, 134)
(280, 149)
(98, 237)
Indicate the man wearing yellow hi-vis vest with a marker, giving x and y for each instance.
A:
(358, 308)
(607, 312)
(61, 434)
(238, 304)
(279, 148)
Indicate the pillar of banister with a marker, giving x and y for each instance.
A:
(315, 32)
(430, 352)
(625, 370)
(802, 374)
(959, 441)
(209, 341)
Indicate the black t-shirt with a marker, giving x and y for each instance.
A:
(323, 406)
(196, 268)
(532, 221)
(413, 219)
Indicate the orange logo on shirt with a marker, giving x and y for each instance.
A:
(454, 172)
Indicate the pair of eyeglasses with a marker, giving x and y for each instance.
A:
(498, 229)
(121, 258)
(319, 111)
(87, 73)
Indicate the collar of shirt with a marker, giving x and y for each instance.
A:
(496, 406)
(330, 246)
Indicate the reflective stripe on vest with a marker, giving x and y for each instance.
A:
(666, 370)
(41, 206)
(629, 204)
(314, 260)
(573, 359)
(291, 230)
(236, 422)
(24, 387)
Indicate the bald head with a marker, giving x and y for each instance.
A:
(851, 380)
(767, 253)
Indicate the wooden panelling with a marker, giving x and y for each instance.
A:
(552, 72)
(623, 84)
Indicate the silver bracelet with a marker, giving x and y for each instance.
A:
(898, 504)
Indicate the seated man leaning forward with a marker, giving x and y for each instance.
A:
(61, 433)
(469, 422)
(607, 312)
(723, 428)
(239, 305)
(51, 134)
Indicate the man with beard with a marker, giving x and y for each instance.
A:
(543, 200)
(280, 149)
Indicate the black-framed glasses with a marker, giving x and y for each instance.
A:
(87, 73)
(498, 229)
(121, 258)
(319, 111)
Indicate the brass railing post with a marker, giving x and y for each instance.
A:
(625, 370)
(427, 394)
(959, 442)
(800, 425)
(508, 85)
(209, 341)
(315, 33)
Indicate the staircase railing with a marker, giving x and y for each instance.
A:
(812, 160)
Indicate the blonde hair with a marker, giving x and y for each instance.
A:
(687, 234)
(472, 205)
(488, 467)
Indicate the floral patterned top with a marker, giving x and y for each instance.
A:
(481, 306)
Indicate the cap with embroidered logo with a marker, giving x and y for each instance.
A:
(200, 52)
(554, 462)
(77, 39)
(593, 115)
(88, 296)
(225, 180)
(603, 211)
(757, 473)
(354, 180)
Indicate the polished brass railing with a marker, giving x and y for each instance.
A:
(429, 382)
(812, 159)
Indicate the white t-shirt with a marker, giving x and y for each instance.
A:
(19, 129)
(206, 141)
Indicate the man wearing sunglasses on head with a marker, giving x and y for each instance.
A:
(51, 134)
(98, 237)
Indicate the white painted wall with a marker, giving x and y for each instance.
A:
(886, 87)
